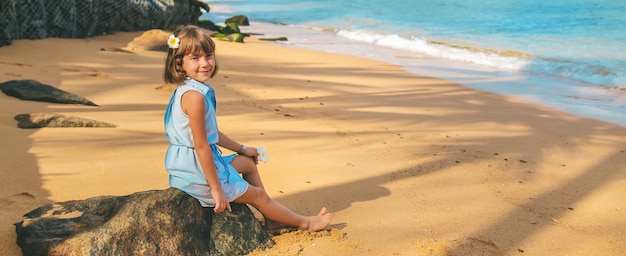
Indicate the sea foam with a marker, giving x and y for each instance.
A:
(500, 59)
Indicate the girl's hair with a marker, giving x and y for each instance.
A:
(193, 39)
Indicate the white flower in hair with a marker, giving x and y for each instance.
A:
(262, 154)
(173, 42)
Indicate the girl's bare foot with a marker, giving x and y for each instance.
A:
(320, 221)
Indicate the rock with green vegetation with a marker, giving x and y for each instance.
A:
(218, 35)
(209, 25)
(240, 20)
(282, 38)
(230, 28)
(235, 37)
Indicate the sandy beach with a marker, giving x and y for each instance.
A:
(407, 164)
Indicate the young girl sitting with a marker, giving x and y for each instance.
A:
(193, 160)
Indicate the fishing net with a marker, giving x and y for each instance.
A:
(36, 19)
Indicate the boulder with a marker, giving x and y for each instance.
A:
(40, 120)
(151, 40)
(235, 37)
(34, 90)
(240, 20)
(230, 28)
(229, 33)
(209, 25)
(157, 222)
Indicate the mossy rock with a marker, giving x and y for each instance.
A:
(207, 24)
(236, 37)
(274, 39)
(230, 28)
(240, 20)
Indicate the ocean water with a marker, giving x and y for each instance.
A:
(565, 54)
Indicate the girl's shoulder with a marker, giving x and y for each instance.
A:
(191, 84)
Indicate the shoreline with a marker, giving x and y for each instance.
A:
(402, 160)
(571, 96)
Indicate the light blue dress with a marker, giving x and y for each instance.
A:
(181, 160)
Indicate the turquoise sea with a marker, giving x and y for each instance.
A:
(565, 54)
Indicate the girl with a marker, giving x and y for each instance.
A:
(193, 160)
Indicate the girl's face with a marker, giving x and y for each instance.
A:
(199, 66)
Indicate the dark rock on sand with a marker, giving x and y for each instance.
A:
(158, 222)
(40, 120)
(34, 90)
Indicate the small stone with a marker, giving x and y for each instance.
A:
(41, 120)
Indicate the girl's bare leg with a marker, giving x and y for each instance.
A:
(246, 166)
(275, 211)
(248, 169)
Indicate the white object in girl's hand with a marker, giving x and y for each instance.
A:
(262, 154)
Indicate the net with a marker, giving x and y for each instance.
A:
(37, 19)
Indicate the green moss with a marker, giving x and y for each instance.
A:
(282, 38)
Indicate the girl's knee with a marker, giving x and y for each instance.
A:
(253, 196)
(259, 193)
(250, 163)
(244, 164)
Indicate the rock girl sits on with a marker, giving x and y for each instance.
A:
(193, 160)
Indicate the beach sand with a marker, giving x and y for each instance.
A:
(407, 164)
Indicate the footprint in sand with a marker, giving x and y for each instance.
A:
(9, 200)
(92, 73)
(96, 74)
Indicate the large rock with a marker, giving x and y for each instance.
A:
(34, 90)
(152, 40)
(36, 19)
(158, 222)
(241, 20)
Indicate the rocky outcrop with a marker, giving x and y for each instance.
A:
(37, 19)
(241, 20)
(158, 222)
(40, 120)
(229, 33)
(36, 91)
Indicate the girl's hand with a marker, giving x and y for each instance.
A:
(220, 200)
(251, 152)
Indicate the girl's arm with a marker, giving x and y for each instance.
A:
(194, 106)
(230, 144)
